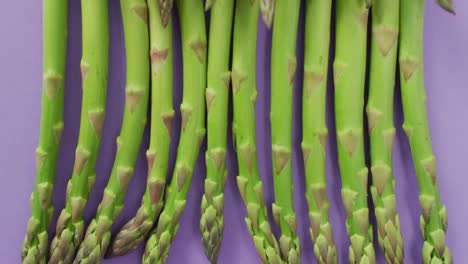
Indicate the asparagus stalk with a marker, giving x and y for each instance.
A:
(134, 232)
(244, 96)
(135, 19)
(434, 214)
(217, 95)
(268, 9)
(192, 21)
(35, 243)
(349, 76)
(165, 8)
(315, 132)
(385, 20)
(283, 69)
(94, 67)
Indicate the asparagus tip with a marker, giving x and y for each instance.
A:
(447, 5)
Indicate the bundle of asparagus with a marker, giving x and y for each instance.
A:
(192, 21)
(96, 241)
(162, 114)
(94, 68)
(397, 30)
(244, 93)
(349, 75)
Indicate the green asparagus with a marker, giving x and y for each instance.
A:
(217, 95)
(349, 70)
(283, 69)
(315, 132)
(192, 21)
(244, 96)
(135, 20)
(35, 244)
(94, 68)
(134, 232)
(433, 220)
(385, 20)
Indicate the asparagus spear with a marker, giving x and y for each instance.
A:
(192, 20)
(94, 67)
(217, 95)
(434, 214)
(244, 96)
(385, 20)
(162, 114)
(283, 68)
(135, 20)
(315, 132)
(35, 244)
(349, 76)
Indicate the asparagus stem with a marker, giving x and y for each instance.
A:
(165, 8)
(244, 96)
(135, 19)
(217, 95)
(268, 9)
(349, 75)
(35, 244)
(283, 69)
(385, 21)
(315, 132)
(192, 20)
(434, 214)
(94, 68)
(134, 232)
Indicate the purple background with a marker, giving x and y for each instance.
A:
(446, 67)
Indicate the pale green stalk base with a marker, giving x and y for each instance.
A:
(135, 20)
(349, 74)
(283, 69)
(134, 232)
(94, 68)
(385, 21)
(217, 95)
(434, 215)
(315, 132)
(35, 243)
(192, 21)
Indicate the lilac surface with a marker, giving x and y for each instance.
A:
(446, 67)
